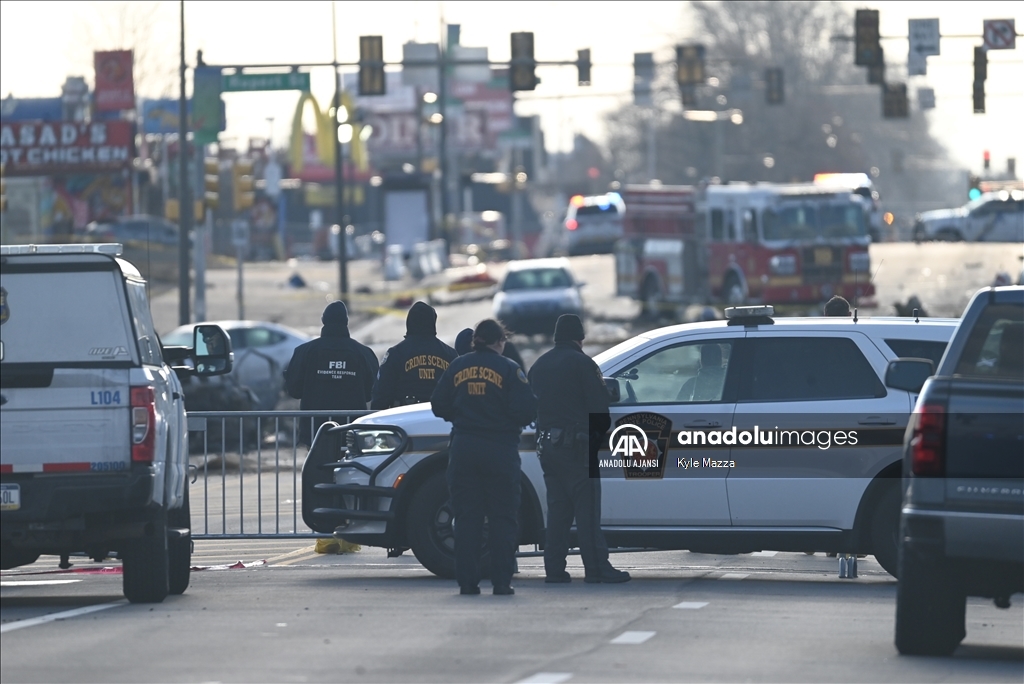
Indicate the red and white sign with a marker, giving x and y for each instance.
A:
(1000, 34)
(115, 88)
(35, 148)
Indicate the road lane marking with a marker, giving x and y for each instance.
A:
(767, 554)
(691, 605)
(734, 576)
(63, 615)
(35, 583)
(547, 678)
(632, 638)
(291, 554)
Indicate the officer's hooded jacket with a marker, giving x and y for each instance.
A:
(410, 370)
(333, 371)
(485, 394)
(464, 345)
(569, 388)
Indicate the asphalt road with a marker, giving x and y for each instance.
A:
(361, 617)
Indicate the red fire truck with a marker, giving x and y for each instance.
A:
(742, 243)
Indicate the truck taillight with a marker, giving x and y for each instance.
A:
(143, 424)
(928, 444)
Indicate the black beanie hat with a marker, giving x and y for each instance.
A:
(569, 327)
(421, 320)
(335, 314)
(464, 342)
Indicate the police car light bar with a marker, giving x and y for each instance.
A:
(740, 312)
(111, 248)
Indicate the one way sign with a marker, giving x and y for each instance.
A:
(1000, 34)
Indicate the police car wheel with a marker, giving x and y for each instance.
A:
(145, 565)
(885, 524)
(429, 528)
(180, 549)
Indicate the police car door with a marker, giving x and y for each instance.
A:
(818, 398)
(662, 391)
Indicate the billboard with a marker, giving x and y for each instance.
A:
(115, 88)
(161, 117)
(38, 148)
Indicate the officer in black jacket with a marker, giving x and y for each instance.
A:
(410, 370)
(464, 345)
(487, 399)
(332, 372)
(569, 389)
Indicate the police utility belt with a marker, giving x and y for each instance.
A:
(564, 438)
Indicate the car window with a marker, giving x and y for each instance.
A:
(683, 374)
(149, 344)
(918, 349)
(808, 369)
(537, 279)
(993, 349)
(262, 337)
(238, 338)
(182, 337)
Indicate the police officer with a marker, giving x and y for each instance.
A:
(410, 370)
(487, 399)
(464, 345)
(569, 390)
(332, 372)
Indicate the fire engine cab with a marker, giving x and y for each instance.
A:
(742, 243)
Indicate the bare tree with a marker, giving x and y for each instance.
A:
(138, 26)
(831, 119)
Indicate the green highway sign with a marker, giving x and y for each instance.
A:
(253, 82)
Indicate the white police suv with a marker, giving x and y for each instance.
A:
(93, 432)
(752, 433)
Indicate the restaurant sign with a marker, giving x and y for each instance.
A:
(34, 148)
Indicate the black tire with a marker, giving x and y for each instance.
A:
(13, 557)
(885, 529)
(145, 565)
(180, 549)
(930, 605)
(428, 527)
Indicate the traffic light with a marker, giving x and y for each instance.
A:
(643, 77)
(894, 101)
(867, 49)
(371, 65)
(690, 65)
(522, 75)
(211, 182)
(973, 187)
(242, 184)
(987, 158)
(980, 74)
(774, 91)
(876, 72)
(583, 66)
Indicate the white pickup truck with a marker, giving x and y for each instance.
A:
(93, 431)
(993, 217)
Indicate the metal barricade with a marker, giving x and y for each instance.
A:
(247, 469)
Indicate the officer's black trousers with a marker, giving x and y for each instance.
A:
(484, 480)
(572, 493)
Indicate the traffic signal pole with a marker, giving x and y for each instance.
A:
(339, 171)
(184, 195)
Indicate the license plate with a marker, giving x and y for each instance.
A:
(10, 497)
(822, 257)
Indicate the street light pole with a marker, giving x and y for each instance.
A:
(339, 169)
(184, 194)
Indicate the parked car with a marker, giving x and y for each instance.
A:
(794, 374)
(993, 217)
(134, 229)
(534, 293)
(93, 435)
(262, 352)
(962, 523)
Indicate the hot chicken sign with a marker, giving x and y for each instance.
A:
(33, 148)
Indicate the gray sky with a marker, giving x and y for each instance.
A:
(41, 43)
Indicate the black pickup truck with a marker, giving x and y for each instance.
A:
(962, 521)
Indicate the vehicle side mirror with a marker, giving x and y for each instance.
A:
(612, 386)
(908, 374)
(211, 350)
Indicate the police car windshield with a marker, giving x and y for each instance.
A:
(537, 279)
(807, 222)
